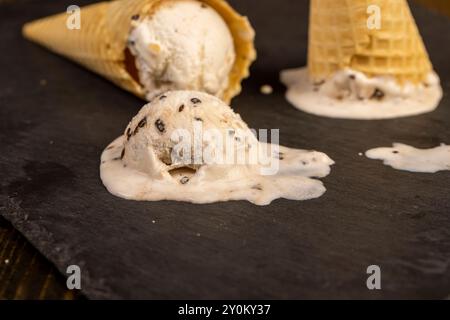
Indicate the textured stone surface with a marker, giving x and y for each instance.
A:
(56, 118)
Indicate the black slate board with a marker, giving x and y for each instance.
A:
(52, 136)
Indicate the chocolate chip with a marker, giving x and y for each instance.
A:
(204, 6)
(196, 100)
(198, 119)
(160, 125)
(231, 132)
(304, 163)
(122, 154)
(128, 133)
(257, 187)
(395, 152)
(142, 123)
(181, 108)
(135, 17)
(116, 159)
(352, 77)
(131, 42)
(162, 97)
(184, 180)
(237, 139)
(377, 94)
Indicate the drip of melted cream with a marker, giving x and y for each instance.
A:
(140, 165)
(407, 158)
(215, 183)
(349, 94)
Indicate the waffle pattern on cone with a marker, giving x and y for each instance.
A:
(101, 42)
(339, 37)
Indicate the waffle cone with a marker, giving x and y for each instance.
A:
(101, 43)
(339, 37)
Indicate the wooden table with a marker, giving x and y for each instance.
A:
(24, 272)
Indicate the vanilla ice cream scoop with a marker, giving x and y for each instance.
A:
(184, 44)
(190, 146)
(174, 131)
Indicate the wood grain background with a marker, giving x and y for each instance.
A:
(24, 272)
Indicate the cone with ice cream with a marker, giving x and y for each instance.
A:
(151, 46)
(366, 60)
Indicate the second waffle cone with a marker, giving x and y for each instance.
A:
(339, 37)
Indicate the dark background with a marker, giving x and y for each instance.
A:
(56, 118)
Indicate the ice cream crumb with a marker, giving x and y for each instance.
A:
(198, 234)
(266, 89)
(6, 261)
(360, 154)
(154, 48)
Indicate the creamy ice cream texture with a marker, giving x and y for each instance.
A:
(407, 158)
(350, 94)
(185, 45)
(157, 157)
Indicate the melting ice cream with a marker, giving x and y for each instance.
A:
(404, 157)
(190, 146)
(351, 94)
(184, 45)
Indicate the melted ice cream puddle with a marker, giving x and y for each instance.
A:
(350, 94)
(143, 164)
(184, 45)
(404, 157)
